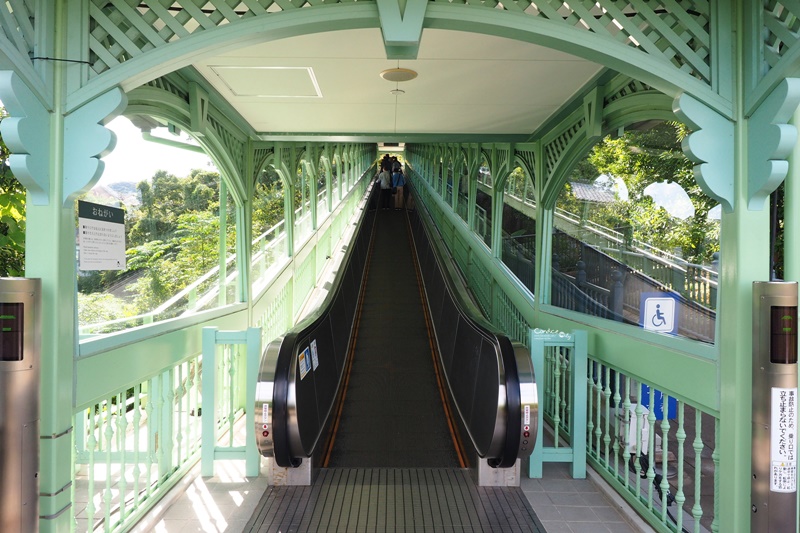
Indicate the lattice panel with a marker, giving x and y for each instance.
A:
(260, 156)
(17, 27)
(234, 147)
(781, 29)
(674, 30)
(559, 145)
(630, 88)
(123, 29)
(529, 158)
(165, 84)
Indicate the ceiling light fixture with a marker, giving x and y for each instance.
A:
(398, 74)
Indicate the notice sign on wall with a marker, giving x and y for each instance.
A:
(101, 237)
(783, 440)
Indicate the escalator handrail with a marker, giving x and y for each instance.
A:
(284, 445)
(510, 414)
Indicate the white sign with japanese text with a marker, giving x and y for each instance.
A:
(783, 440)
(101, 237)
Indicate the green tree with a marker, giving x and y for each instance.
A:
(267, 201)
(641, 157)
(12, 216)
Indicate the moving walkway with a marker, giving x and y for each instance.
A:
(394, 388)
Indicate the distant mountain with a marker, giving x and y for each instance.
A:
(124, 188)
(115, 193)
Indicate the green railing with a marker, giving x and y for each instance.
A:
(633, 446)
(134, 444)
(696, 282)
(628, 444)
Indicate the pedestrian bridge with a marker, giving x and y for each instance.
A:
(500, 112)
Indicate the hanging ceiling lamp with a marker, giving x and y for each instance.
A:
(398, 74)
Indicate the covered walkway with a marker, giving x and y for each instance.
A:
(500, 112)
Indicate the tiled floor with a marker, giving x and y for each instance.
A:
(566, 505)
(226, 502)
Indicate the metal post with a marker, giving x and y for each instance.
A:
(774, 399)
(19, 403)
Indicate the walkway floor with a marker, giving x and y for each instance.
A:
(226, 501)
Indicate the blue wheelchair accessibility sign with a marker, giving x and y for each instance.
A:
(658, 311)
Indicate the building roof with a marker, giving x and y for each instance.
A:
(591, 193)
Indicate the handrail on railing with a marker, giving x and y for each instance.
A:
(186, 291)
(654, 254)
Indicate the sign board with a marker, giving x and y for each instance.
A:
(658, 311)
(314, 355)
(304, 360)
(783, 440)
(101, 237)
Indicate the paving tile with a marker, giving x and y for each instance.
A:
(548, 512)
(556, 526)
(566, 498)
(577, 514)
(181, 511)
(608, 514)
(560, 485)
(531, 485)
(622, 527)
(539, 498)
(584, 485)
(587, 527)
(595, 499)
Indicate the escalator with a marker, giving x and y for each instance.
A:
(391, 391)
(396, 298)
(392, 414)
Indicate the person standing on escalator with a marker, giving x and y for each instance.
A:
(398, 183)
(385, 178)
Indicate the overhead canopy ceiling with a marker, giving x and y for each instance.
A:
(329, 84)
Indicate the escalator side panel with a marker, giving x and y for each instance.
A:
(446, 332)
(325, 375)
(308, 416)
(484, 411)
(340, 331)
(464, 372)
(434, 286)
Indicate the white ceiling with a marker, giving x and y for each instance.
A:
(329, 83)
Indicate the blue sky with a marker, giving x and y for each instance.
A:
(134, 159)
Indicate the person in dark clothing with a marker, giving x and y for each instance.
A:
(385, 179)
(398, 184)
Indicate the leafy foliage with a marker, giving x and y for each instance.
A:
(12, 217)
(640, 158)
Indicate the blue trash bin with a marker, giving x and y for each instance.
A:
(658, 400)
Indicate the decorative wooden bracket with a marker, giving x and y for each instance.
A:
(26, 132)
(711, 146)
(86, 140)
(770, 140)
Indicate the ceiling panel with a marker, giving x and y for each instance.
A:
(467, 84)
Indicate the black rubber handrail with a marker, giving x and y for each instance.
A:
(505, 436)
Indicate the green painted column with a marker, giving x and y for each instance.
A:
(498, 191)
(50, 255)
(744, 249)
